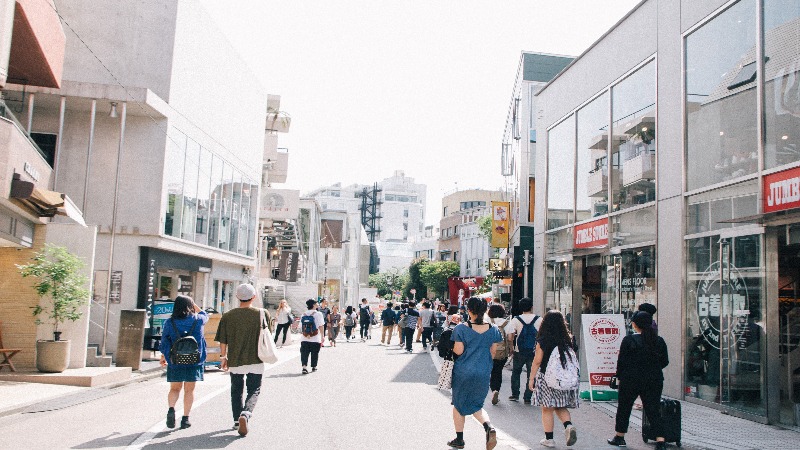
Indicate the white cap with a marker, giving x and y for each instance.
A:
(245, 292)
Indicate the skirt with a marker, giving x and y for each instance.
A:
(184, 373)
(548, 397)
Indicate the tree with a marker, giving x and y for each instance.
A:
(435, 275)
(388, 282)
(415, 281)
(485, 226)
(58, 278)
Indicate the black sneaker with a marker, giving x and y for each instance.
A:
(305, 371)
(313, 369)
(513, 398)
(185, 422)
(456, 443)
(661, 445)
(527, 402)
(171, 418)
(617, 441)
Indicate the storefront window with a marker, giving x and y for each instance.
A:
(561, 174)
(227, 199)
(236, 210)
(173, 168)
(559, 241)
(713, 210)
(244, 220)
(630, 280)
(252, 235)
(633, 148)
(721, 136)
(190, 190)
(203, 190)
(558, 293)
(633, 227)
(215, 201)
(593, 171)
(782, 82)
(725, 336)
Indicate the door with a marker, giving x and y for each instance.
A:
(789, 323)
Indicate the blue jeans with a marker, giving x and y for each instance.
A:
(521, 360)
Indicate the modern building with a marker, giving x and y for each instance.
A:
(459, 208)
(475, 248)
(169, 176)
(668, 170)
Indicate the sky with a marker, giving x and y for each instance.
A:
(375, 86)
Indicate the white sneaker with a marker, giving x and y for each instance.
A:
(548, 443)
(570, 434)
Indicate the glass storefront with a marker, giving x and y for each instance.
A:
(558, 288)
(593, 171)
(561, 174)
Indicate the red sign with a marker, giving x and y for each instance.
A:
(782, 190)
(592, 234)
(601, 379)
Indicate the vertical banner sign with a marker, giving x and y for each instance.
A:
(287, 268)
(151, 290)
(500, 224)
(602, 337)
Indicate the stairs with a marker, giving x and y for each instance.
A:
(93, 359)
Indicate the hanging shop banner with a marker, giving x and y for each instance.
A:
(500, 224)
(287, 268)
(279, 204)
(603, 335)
(592, 234)
(782, 190)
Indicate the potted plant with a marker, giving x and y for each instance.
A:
(63, 288)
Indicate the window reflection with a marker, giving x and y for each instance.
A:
(173, 168)
(593, 173)
(561, 174)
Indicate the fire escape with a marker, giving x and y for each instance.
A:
(370, 217)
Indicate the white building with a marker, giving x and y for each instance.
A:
(475, 252)
(168, 175)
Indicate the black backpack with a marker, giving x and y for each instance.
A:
(364, 313)
(445, 346)
(185, 350)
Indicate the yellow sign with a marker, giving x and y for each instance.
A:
(500, 224)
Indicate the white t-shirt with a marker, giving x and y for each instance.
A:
(515, 326)
(319, 319)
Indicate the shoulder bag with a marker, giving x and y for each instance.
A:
(266, 346)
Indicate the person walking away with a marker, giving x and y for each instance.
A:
(419, 326)
(185, 331)
(312, 326)
(521, 333)
(388, 320)
(554, 336)
(284, 320)
(412, 323)
(441, 317)
(402, 321)
(651, 309)
(475, 344)
(334, 324)
(364, 319)
(238, 334)
(642, 358)
(349, 322)
(497, 317)
(426, 323)
(324, 310)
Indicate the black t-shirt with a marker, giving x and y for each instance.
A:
(639, 364)
(363, 313)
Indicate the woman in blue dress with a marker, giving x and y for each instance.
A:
(187, 318)
(474, 343)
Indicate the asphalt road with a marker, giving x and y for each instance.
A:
(364, 396)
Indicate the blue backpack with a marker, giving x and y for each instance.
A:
(308, 325)
(526, 341)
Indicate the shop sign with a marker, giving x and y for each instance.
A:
(782, 190)
(603, 337)
(500, 224)
(636, 284)
(592, 234)
(714, 288)
(151, 290)
(162, 311)
(287, 268)
(280, 204)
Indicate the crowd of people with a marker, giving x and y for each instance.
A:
(476, 341)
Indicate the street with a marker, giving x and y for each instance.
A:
(364, 396)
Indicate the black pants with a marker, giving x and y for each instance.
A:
(521, 360)
(496, 380)
(364, 329)
(285, 328)
(309, 348)
(245, 408)
(408, 337)
(348, 330)
(651, 403)
(427, 336)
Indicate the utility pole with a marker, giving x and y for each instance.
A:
(525, 265)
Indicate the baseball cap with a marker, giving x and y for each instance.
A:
(245, 292)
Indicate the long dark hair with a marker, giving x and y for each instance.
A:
(184, 306)
(553, 331)
(644, 321)
(348, 310)
(478, 307)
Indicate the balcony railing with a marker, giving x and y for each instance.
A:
(8, 114)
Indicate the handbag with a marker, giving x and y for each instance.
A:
(446, 375)
(614, 383)
(267, 352)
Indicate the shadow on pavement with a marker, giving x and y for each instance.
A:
(112, 440)
(418, 370)
(214, 439)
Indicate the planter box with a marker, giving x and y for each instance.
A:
(52, 356)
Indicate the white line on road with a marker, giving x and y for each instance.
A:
(151, 433)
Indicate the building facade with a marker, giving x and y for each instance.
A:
(461, 208)
(671, 178)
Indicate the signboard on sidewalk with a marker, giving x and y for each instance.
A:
(602, 337)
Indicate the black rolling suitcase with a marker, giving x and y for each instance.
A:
(671, 420)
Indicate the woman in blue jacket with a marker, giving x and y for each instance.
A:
(187, 320)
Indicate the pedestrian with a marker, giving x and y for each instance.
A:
(642, 358)
(187, 320)
(427, 322)
(649, 308)
(475, 343)
(463, 311)
(497, 317)
(441, 317)
(334, 324)
(402, 321)
(349, 322)
(521, 332)
(412, 323)
(312, 325)
(553, 335)
(419, 325)
(364, 319)
(324, 310)
(238, 335)
(388, 320)
(284, 320)
(452, 311)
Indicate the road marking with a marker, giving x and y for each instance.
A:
(145, 438)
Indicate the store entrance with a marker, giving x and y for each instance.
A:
(789, 310)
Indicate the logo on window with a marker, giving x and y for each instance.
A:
(720, 284)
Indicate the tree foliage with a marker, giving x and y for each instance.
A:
(435, 275)
(387, 282)
(58, 276)
(485, 227)
(415, 279)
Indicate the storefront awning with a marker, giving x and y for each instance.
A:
(44, 203)
(769, 219)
